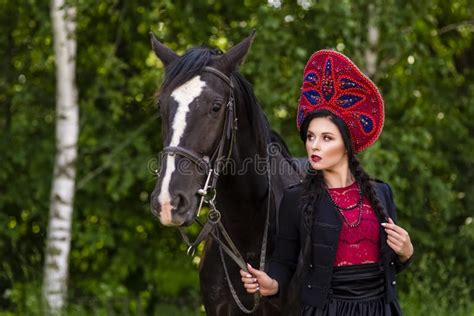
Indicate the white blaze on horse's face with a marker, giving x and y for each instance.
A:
(184, 95)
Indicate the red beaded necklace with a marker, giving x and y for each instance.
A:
(341, 209)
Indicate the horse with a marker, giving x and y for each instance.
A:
(218, 147)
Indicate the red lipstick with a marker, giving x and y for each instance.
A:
(315, 158)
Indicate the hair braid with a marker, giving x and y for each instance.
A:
(365, 184)
(313, 186)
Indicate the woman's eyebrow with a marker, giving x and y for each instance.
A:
(322, 133)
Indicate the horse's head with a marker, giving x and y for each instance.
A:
(194, 107)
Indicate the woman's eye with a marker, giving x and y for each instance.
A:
(216, 107)
(327, 138)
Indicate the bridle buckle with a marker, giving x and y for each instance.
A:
(214, 216)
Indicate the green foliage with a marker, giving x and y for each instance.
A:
(122, 261)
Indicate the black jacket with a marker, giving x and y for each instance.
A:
(317, 274)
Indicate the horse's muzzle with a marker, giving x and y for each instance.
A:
(176, 212)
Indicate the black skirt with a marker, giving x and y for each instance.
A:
(356, 290)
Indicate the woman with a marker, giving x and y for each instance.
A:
(338, 218)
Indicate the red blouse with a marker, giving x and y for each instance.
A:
(361, 244)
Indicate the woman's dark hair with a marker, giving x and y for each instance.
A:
(314, 186)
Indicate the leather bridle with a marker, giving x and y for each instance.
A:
(214, 165)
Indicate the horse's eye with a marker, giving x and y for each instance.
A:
(216, 107)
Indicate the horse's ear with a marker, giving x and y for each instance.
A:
(235, 56)
(165, 54)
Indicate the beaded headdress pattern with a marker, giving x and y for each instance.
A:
(333, 82)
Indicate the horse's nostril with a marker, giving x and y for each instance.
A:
(181, 203)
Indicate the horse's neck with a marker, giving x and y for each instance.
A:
(245, 182)
(244, 192)
(243, 188)
(242, 201)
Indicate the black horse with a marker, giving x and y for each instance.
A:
(217, 141)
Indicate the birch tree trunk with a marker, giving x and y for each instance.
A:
(63, 186)
(373, 34)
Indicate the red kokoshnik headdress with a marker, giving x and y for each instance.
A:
(333, 82)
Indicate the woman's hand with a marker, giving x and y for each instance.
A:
(256, 280)
(399, 240)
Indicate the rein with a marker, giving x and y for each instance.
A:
(212, 167)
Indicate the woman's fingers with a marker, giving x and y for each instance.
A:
(245, 274)
(251, 285)
(251, 291)
(401, 237)
(403, 242)
(391, 226)
(392, 232)
(396, 232)
(254, 271)
(260, 276)
(258, 281)
(394, 246)
(395, 241)
(398, 239)
(249, 280)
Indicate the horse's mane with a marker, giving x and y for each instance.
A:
(261, 129)
(187, 66)
(192, 64)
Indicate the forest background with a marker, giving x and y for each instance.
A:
(122, 261)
